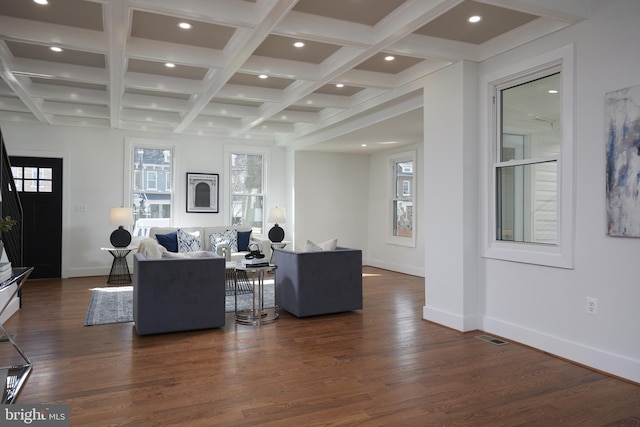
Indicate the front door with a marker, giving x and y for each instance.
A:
(39, 183)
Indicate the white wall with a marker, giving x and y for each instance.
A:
(331, 198)
(94, 176)
(409, 260)
(544, 307)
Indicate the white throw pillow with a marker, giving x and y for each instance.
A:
(312, 247)
(329, 245)
(189, 242)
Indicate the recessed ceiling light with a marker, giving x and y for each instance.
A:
(298, 44)
(389, 58)
(475, 18)
(170, 65)
(339, 85)
(552, 91)
(42, 2)
(184, 25)
(55, 49)
(363, 145)
(263, 76)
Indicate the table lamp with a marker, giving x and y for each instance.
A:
(121, 238)
(276, 215)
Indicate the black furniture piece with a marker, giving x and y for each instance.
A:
(119, 274)
(13, 373)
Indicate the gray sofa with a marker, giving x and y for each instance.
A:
(178, 294)
(314, 283)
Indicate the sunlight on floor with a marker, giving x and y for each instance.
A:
(111, 288)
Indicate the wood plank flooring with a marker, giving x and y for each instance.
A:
(382, 365)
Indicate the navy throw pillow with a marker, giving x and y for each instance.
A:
(243, 240)
(169, 241)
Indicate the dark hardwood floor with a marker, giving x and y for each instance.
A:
(382, 365)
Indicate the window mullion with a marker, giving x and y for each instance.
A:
(530, 161)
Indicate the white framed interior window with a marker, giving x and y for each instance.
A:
(402, 181)
(529, 173)
(246, 172)
(150, 169)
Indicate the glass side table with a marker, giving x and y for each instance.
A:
(13, 374)
(119, 274)
(278, 245)
(258, 313)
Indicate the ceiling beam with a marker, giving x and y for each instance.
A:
(400, 23)
(117, 15)
(17, 85)
(239, 49)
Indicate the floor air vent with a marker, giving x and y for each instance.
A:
(491, 340)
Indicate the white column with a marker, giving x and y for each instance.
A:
(450, 214)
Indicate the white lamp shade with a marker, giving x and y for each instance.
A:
(121, 216)
(277, 216)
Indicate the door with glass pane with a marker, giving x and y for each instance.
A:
(39, 183)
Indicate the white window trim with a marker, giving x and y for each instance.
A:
(128, 162)
(392, 159)
(246, 149)
(560, 255)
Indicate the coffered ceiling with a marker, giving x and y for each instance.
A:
(112, 70)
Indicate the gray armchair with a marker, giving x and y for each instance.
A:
(178, 294)
(314, 283)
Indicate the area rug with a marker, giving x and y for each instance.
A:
(115, 304)
(110, 305)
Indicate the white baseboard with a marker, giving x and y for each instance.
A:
(450, 320)
(400, 268)
(614, 364)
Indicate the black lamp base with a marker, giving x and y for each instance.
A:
(276, 234)
(120, 238)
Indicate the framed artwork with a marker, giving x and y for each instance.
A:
(622, 109)
(202, 192)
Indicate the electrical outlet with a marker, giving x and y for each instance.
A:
(592, 306)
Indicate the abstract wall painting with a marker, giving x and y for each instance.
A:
(622, 111)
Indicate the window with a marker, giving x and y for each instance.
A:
(151, 171)
(247, 192)
(526, 167)
(402, 166)
(530, 182)
(32, 179)
(152, 180)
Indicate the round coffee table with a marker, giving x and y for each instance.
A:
(258, 313)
